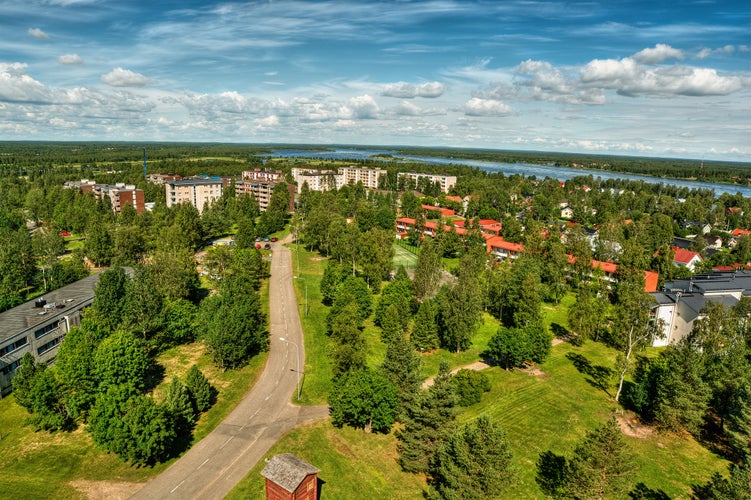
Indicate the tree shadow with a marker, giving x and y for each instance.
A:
(643, 492)
(599, 376)
(319, 487)
(154, 376)
(560, 331)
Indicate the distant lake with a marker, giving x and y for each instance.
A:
(540, 171)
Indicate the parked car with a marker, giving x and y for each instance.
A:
(274, 239)
(267, 246)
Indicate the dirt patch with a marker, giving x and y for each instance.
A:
(108, 490)
(558, 341)
(477, 366)
(631, 426)
(534, 371)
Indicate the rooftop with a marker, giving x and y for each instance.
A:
(58, 303)
(288, 471)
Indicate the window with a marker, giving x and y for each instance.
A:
(9, 368)
(45, 330)
(12, 347)
(49, 345)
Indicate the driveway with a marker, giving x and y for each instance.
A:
(211, 468)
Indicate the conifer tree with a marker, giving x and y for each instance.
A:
(424, 334)
(199, 387)
(402, 366)
(427, 422)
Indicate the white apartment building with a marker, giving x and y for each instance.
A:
(264, 175)
(198, 192)
(324, 180)
(445, 181)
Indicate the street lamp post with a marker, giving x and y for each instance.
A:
(297, 351)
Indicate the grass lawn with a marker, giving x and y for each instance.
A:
(548, 411)
(46, 465)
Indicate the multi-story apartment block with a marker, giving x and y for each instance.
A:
(367, 176)
(198, 192)
(38, 326)
(262, 191)
(262, 175)
(118, 195)
(324, 180)
(160, 179)
(445, 181)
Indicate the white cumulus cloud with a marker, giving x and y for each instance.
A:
(659, 53)
(363, 106)
(38, 34)
(120, 77)
(487, 107)
(70, 59)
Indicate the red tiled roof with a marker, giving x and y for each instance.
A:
(684, 256)
(741, 232)
(650, 281)
(445, 212)
(607, 267)
(457, 199)
(499, 242)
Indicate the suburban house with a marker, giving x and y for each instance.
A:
(487, 226)
(680, 302)
(502, 249)
(445, 181)
(686, 258)
(443, 212)
(198, 192)
(289, 477)
(38, 326)
(567, 212)
(404, 225)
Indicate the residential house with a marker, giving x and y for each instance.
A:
(680, 302)
(567, 212)
(686, 258)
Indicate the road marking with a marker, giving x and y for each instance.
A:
(227, 441)
(176, 487)
(268, 397)
(202, 464)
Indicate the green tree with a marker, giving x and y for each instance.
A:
(180, 322)
(469, 386)
(200, 389)
(98, 244)
(475, 462)
(602, 464)
(142, 304)
(424, 334)
(23, 380)
(402, 366)
(427, 422)
(175, 273)
(460, 304)
(735, 487)
(332, 277)
(234, 328)
(391, 327)
(75, 368)
(364, 399)
(398, 293)
(376, 255)
(427, 269)
(109, 297)
(178, 402)
(121, 359)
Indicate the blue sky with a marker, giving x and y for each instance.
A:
(619, 77)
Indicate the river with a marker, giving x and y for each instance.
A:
(540, 171)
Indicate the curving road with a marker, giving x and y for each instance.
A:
(211, 468)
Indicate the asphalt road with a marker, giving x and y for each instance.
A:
(211, 468)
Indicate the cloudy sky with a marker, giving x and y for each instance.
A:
(651, 78)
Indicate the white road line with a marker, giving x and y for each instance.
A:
(176, 487)
(227, 441)
(202, 464)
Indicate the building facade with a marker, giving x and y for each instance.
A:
(446, 182)
(198, 192)
(262, 191)
(325, 180)
(40, 325)
(118, 195)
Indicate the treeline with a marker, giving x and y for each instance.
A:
(702, 170)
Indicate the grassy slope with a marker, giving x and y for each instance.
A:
(547, 412)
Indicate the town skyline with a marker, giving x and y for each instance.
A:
(637, 79)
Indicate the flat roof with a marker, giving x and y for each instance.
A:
(13, 321)
(193, 182)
